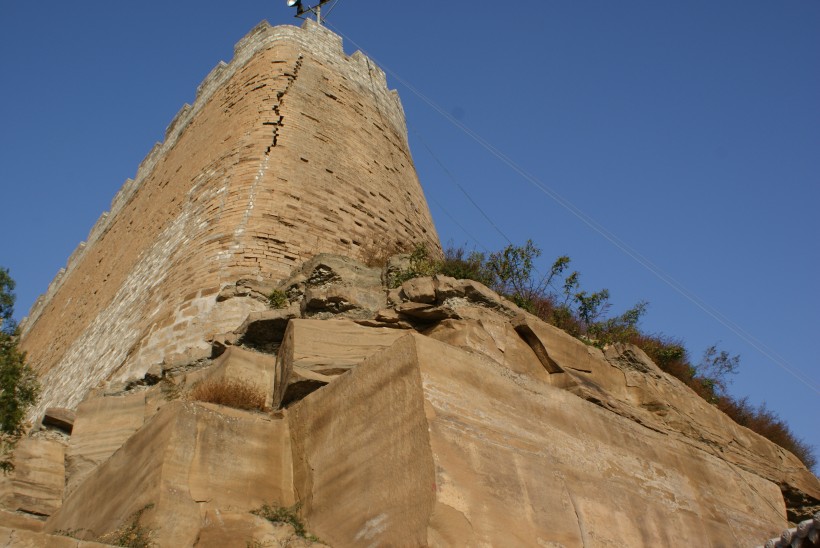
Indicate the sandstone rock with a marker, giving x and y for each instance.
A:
(259, 290)
(264, 330)
(21, 538)
(626, 382)
(444, 447)
(493, 337)
(102, 426)
(394, 296)
(426, 312)
(329, 285)
(419, 290)
(449, 289)
(190, 461)
(59, 418)
(327, 269)
(21, 520)
(235, 530)
(252, 368)
(664, 403)
(37, 483)
(315, 351)
(350, 301)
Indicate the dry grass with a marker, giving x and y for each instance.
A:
(131, 534)
(376, 252)
(234, 393)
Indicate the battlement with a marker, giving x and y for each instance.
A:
(291, 149)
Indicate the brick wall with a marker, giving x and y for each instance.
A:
(291, 149)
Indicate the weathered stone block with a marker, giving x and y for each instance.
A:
(190, 461)
(102, 426)
(443, 447)
(37, 483)
(252, 368)
(59, 418)
(316, 351)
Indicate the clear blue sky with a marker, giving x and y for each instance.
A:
(690, 130)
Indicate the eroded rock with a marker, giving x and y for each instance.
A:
(189, 461)
(466, 453)
(59, 418)
(314, 352)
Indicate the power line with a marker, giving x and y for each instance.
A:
(604, 232)
(462, 189)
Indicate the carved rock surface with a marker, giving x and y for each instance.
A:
(253, 368)
(102, 426)
(191, 461)
(446, 448)
(626, 382)
(37, 483)
(436, 414)
(21, 538)
(316, 351)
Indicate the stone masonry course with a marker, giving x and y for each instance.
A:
(291, 149)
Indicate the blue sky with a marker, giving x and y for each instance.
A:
(689, 130)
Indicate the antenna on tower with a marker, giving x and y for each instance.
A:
(302, 10)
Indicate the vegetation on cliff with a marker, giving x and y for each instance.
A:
(558, 298)
(18, 384)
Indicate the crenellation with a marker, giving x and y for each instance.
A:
(98, 229)
(181, 117)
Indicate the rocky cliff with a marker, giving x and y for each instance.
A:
(256, 392)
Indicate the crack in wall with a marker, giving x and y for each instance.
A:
(279, 118)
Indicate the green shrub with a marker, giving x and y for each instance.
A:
(421, 264)
(278, 299)
(18, 383)
(288, 515)
(459, 264)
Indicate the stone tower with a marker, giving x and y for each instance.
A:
(291, 149)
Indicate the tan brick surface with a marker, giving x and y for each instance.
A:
(292, 149)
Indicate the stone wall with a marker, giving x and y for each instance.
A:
(291, 149)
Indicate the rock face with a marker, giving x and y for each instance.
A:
(443, 447)
(470, 423)
(436, 413)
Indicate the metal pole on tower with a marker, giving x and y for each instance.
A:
(301, 10)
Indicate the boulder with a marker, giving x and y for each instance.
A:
(349, 301)
(59, 418)
(313, 352)
(419, 290)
